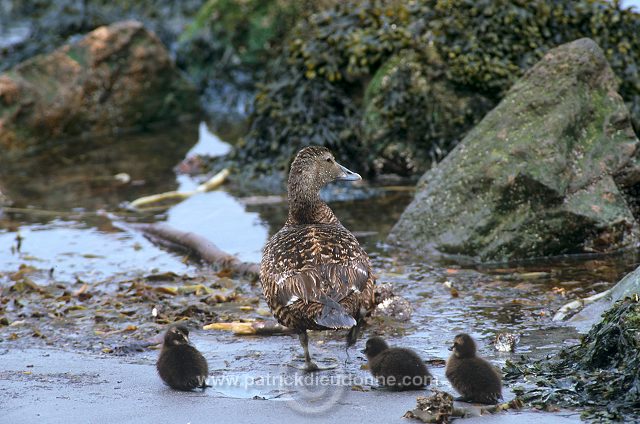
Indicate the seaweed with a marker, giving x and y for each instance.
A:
(489, 43)
(316, 88)
(393, 86)
(228, 38)
(601, 374)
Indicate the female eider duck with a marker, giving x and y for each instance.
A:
(180, 365)
(473, 377)
(314, 274)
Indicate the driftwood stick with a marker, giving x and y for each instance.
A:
(173, 197)
(173, 238)
(257, 328)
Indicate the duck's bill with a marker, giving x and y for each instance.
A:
(348, 175)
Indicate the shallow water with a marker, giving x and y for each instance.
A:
(66, 221)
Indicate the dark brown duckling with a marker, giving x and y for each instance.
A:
(473, 377)
(396, 368)
(180, 365)
(314, 274)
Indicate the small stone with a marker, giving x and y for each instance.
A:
(506, 342)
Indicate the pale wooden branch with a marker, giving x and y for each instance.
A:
(259, 328)
(173, 238)
(177, 196)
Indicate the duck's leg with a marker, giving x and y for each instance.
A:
(354, 334)
(310, 366)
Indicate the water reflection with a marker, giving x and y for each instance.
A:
(67, 176)
(220, 218)
(64, 251)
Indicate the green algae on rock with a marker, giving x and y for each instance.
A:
(602, 373)
(540, 175)
(117, 77)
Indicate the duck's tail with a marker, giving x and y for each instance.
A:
(333, 315)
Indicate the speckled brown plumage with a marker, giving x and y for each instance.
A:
(314, 274)
(473, 377)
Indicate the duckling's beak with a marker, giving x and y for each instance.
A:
(364, 351)
(451, 347)
(347, 175)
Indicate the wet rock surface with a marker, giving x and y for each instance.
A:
(117, 77)
(545, 173)
(629, 286)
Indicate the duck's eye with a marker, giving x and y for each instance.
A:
(329, 160)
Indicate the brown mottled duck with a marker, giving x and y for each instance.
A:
(314, 274)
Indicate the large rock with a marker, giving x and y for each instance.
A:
(31, 27)
(629, 286)
(544, 173)
(116, 77)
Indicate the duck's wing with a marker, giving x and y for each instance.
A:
(313, 284)
(314, 263)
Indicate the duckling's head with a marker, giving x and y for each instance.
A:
(374, 347)
(314, 167)
(177, 335)
(463, 346)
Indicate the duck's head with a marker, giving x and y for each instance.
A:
(374, 347)
(463, 346)
(177, 335)
(314, 167)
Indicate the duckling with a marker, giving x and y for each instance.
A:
(180, 365)
(396, 368)
(473, 377)
(314, 274)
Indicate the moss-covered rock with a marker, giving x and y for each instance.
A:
(537, 176)
(40, 26)
(118, 77)
(601, 374)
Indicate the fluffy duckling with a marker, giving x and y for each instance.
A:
(180, 365)
(314, 274)
(396, 368)
(473, 377)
